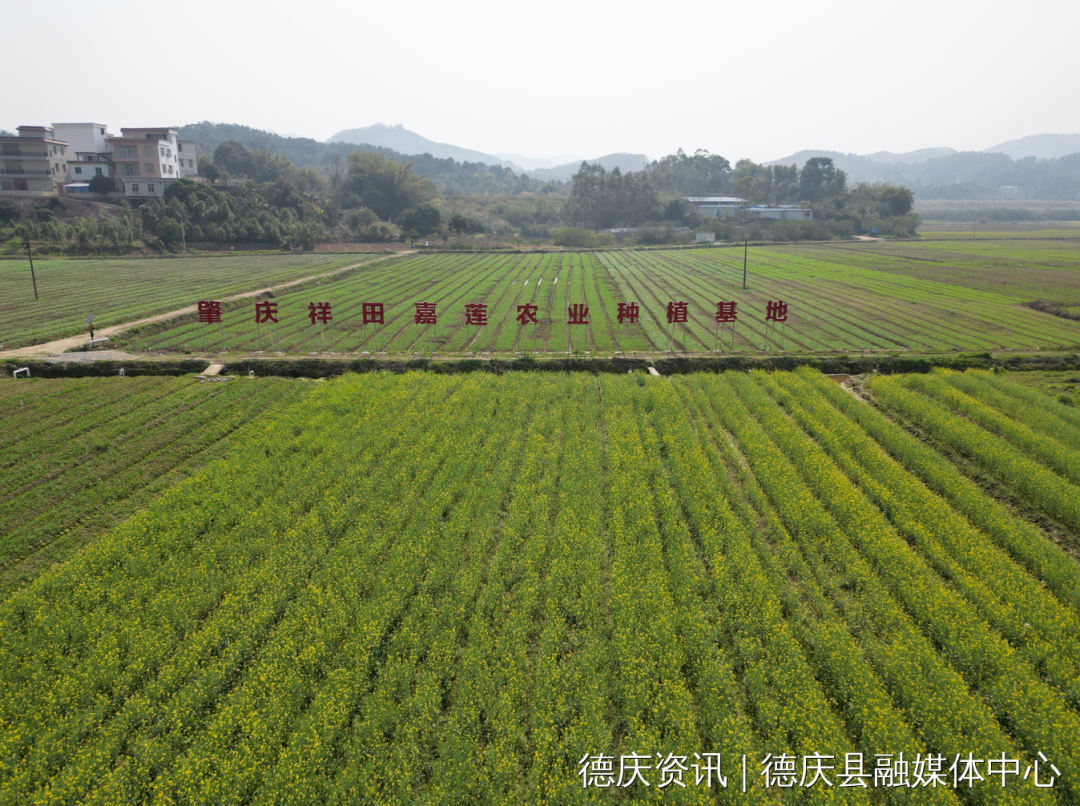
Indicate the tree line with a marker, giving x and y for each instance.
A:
(604, 200)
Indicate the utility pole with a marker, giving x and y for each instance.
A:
(745, 249)
(31, 257)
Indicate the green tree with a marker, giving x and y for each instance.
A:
(461, 224)
(897, 200)
(423, 220)
(234, 158)
(387, 187)
(820, 180)
(102, 184)
(9, 211)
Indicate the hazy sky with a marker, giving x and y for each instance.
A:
(747, 79)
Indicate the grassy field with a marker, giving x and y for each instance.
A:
(117, 291)
(453, 590)
(82, 455)
(872, 297)
(998, 231)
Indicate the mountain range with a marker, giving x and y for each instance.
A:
(404, 141)
(1042, 166)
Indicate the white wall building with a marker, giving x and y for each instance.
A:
(189, 159)
(91, 154)
(147, 161)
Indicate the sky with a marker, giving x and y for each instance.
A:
(760, 80)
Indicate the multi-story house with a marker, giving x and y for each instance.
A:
(146, 161)
(89, 152)
(189, 160)
(34, 163)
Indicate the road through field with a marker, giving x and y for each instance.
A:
(63, 345)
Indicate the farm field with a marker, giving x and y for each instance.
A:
(459, 589)
(875, 297)
(123, 290)
(81, 455)
(953, 231)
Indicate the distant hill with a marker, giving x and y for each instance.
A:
(404, 141)
(624, 162)
(533, 163)
(1040, 146)
(921, 155)
(449, 175)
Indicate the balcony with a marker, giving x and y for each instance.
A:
(24, 153)
(23, 172)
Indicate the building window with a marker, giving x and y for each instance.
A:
(147, 150)
(78, 170)
(102, 130)
(149, 188)
(63, 152)
(179, 147)
(149, 168)
(97, 172)
(5, 186)
(191, 163)
(127, 151)
(134, 188)
(129, 169)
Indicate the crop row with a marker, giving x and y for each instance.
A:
(452, 589)
(117, 291)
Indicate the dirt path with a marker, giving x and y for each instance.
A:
(63, 345)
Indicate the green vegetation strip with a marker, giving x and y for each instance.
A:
(400, 588)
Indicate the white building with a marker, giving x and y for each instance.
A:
(147, 161)
(724, 206)
(189, 159)
(91, 154)
(715, 206)
(783, 212)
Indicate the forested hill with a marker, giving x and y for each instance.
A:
(961, 175)
(450, 176)
(406, 142)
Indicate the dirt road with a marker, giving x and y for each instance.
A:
(71, 343)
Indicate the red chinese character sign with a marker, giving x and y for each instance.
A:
(425, 314)
(210, 313)
(372, 313)
(476, 314)
(776, 312)
(677, 313)
(628, 312)
(527, 314)
(321, 313)
(265, 313)
(725, 312)
(576, 314)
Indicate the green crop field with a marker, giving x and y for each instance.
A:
(81, 455)
(405, 589)
(876, 297)
(118, 291)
